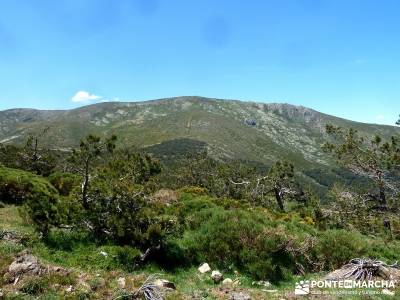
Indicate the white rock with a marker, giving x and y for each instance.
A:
(105, 254)
(165, 284)
(227, 281)
(121, 282)
(240, 296)
(25, 264)
(216, 276)
(261, 283)
(387, 292)
(204, 268)
(69, 289)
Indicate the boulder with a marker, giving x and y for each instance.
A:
(10, 236)
(204, 268)
(121, 282)
(240, 296)
(25, 264)
(216, 276)
(69, 289)
(227, 281)
(162, 283)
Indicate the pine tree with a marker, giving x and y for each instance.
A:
(84, 158)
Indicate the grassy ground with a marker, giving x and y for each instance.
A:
(95, 276)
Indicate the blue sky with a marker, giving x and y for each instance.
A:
(340, 57)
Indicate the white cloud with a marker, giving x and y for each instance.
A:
(380, 117)
(83, 96)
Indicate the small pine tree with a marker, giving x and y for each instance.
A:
(372, 158)
(281, 181)
(84, 158)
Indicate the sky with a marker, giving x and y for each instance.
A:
(340, 57)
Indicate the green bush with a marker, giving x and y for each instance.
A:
(336, 247)
(39, 197)
(246, 240)
(65, 183)
(35, 286)
(127, 257)
(119, 213)
(17, 186)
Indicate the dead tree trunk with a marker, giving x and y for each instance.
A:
(279, 198)
(85, 185)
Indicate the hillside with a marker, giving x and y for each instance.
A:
(250, 131)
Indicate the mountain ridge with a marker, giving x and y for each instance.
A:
(196, 114)
(155, 101)
(260, 133)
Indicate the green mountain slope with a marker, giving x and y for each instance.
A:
(229, 129)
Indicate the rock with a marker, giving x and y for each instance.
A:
(25, 264)
(204, 268)
(69, 289)
(240, 296)
(10, 236)
(216, 276)
(227, 281)
(388, 292)
(57, 270)
(105, 254)
(121, 282)
(165, 284)
(261, 283)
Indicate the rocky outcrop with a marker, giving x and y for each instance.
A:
(25, 264)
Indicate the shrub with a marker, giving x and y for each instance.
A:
(127, 257)
(64, 182)
(246, 240)
(36, 193)
(16, 186)
(118, 212)
(35, 286)
(194, 190)
(336, 247)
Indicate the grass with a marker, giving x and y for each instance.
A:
(10, 219)
(84, 258)
(94, 276)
